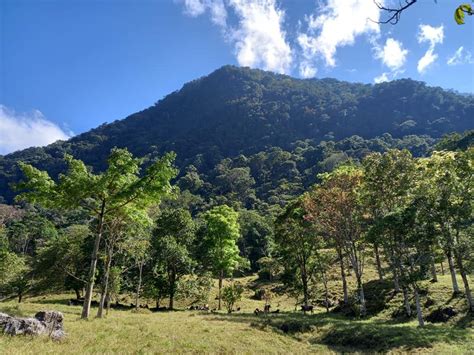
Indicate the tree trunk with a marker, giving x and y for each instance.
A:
(467, 289)
(406, 301)
(434, 276)
(20, 296)
(172, 281)
(419, 313)
(442, 268)
(304, 281)
(78, 293)
(396, 280)
(105, 285)
(363, 307)
(452, 270)
(221, 277)
(378, 262)
(107, 300)
(326, 293)
(91, 278)
(139, 286)
(343, 277)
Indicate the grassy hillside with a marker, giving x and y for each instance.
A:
(286, 332)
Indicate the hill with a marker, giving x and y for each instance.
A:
(237, 111)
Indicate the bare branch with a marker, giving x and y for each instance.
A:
(393, 12)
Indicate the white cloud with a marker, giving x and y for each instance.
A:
(434, 36)
(393, 55)
(194, 7)
(382, 78)
(19, 131)
(337, 24)
(216, 8)
(461, 56)
(259, 39)
(307, 70)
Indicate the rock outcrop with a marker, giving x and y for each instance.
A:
(49, 323)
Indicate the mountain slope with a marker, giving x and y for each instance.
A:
(239, 110)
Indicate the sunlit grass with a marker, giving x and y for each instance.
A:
(243, 332)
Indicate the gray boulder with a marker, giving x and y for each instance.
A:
(49, 323)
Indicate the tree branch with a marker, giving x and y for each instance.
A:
(394, 12)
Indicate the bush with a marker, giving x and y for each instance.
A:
(231, 294)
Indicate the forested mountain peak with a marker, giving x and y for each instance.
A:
(237, 110)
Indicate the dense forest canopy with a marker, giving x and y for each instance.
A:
(264, 127)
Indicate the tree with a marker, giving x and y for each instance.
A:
(257, 237)
(448, 187)
(172, 240)
(61, 261)
(222, 232)
(13, 269)
(127, 232)
(389, 186)
(297, 243)
(103, 194)
(232, 294)
(337, 208)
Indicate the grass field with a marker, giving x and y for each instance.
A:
(243, 332)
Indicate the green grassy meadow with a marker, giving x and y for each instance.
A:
(127, 331)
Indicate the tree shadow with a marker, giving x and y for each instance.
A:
(341, 334)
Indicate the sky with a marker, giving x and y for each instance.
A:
(67, 66)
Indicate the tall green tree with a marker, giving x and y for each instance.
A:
(297, 244)
(101, 194)
(448, 187)
(222, 232)
(172, 240)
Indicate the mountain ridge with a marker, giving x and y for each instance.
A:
(237, 110)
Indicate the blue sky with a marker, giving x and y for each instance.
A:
(70, 65)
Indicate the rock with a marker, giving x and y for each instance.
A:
(49, 323)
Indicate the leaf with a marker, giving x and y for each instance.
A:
(459, 16)
(460, 12)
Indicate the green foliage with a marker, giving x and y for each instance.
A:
(171, 243)
(222, 232)
(245, 111)
(232, 294)
(460, 12)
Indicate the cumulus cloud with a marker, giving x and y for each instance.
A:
(433, 36)
(19, 131)
(382, 78)
(461, 56)
(336, 24)
(393, 55)
(259, 39)
(216, 9)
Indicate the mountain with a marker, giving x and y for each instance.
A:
(240, 111)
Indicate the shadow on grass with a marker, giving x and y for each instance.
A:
(341, 334)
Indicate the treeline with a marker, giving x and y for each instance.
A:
(131, 229)
(410, 213)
